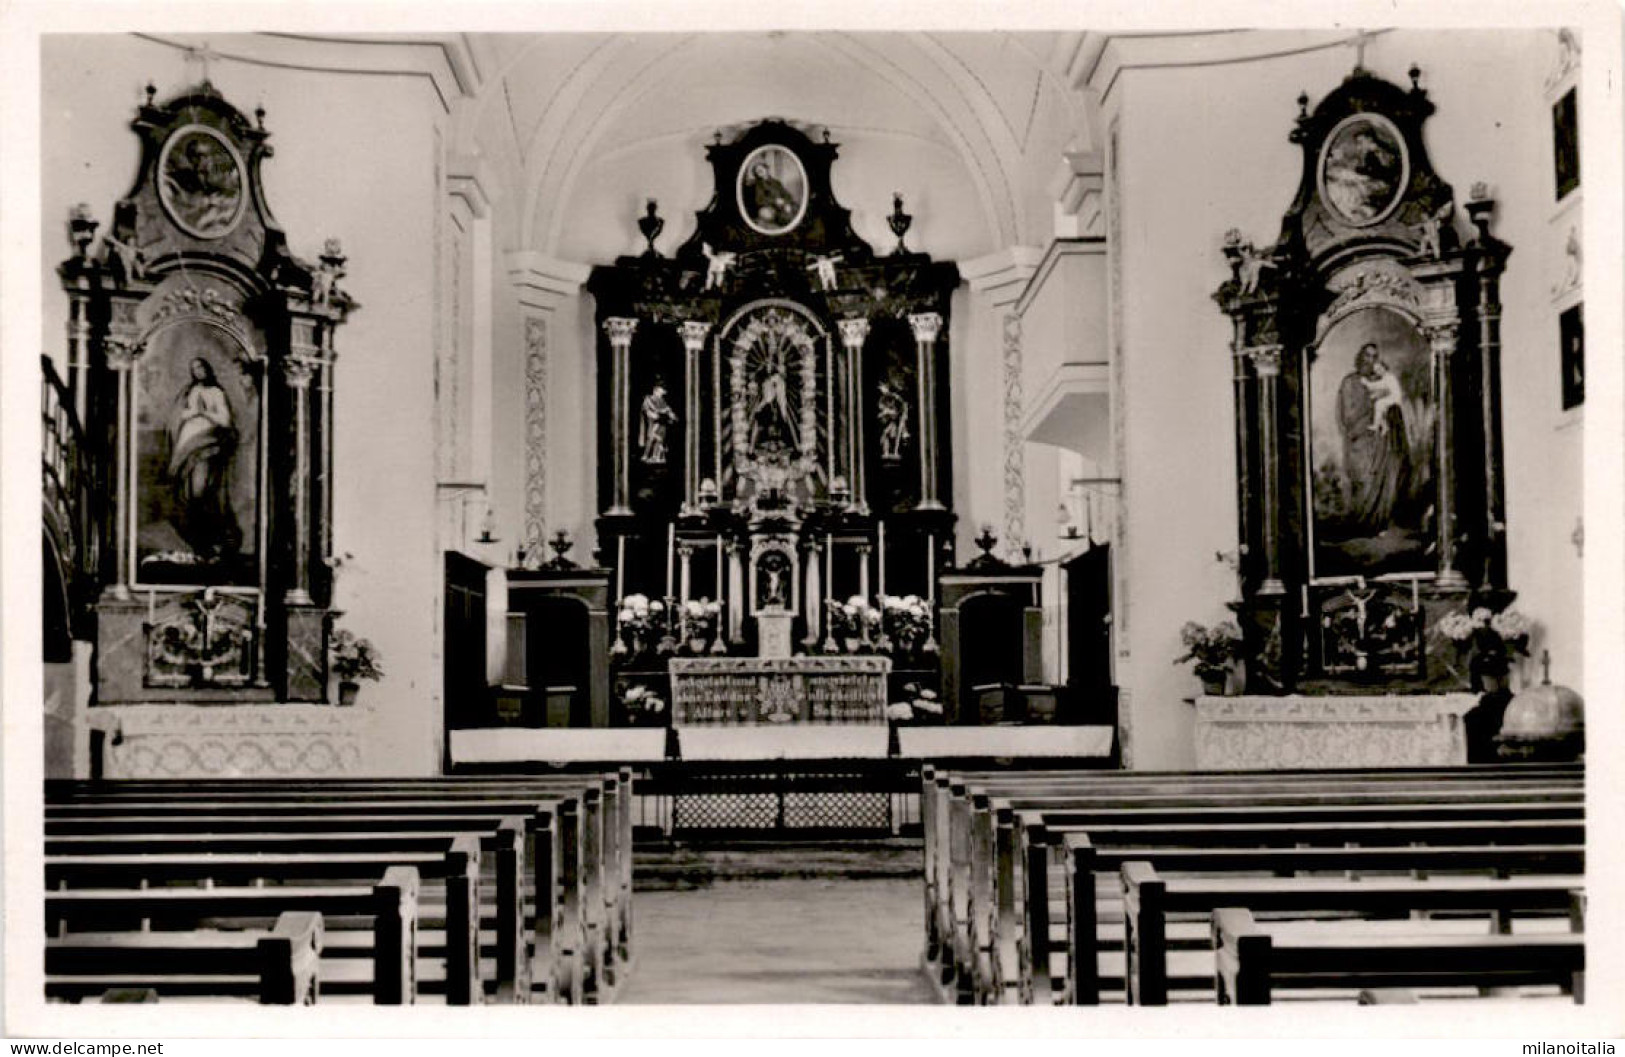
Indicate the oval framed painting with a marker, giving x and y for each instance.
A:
(1364, 169)
(201, 181)
(771, 190)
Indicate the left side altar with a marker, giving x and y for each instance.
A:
(200, 362)
(775, 508)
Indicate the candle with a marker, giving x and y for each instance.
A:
(829, 564)
(880, 550)
(720, 589)
(930, 570)
(620, 567)
(671, 552)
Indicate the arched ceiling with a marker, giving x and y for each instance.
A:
(998, 104)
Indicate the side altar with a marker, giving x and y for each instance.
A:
(726, 691)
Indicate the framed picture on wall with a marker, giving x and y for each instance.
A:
(1566, 142)
(1571, 333)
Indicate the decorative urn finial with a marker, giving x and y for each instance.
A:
(651, 224)
(899, 221)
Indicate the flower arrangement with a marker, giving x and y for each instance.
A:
(1495, 639)
(643, 706)
(1214, 649)
(906, 621)
(921, 706)
(639, 621)
(852, 621)
(637, 613)
(353, 659)
(700, 617)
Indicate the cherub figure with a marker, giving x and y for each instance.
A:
(1433, 226)
(1252, 266)
(717, 265)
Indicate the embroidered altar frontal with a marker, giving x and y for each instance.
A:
(734, 691)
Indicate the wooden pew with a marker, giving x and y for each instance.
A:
(1254, 961)
(1085, 862)
(962, 884)
(553, 899)
(595, 892)
(1005, 834)
(455, 867)
(617, 792)
(275, 968)
(390, 905)
(1149, 899)
(947, 836)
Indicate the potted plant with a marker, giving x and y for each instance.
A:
(1492, 641)
(1214, 649)
(351, 660)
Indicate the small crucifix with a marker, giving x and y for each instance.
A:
(202, 54)
(1361, 39)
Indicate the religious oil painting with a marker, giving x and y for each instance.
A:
(201, 182)
(196, 460)
(772, 190)
(1364, 169)
(1372, 418)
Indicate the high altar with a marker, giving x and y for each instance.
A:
(775, 398)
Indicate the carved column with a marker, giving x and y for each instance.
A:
(1489, 347)
(694, 333)
(79, 356)
(854, 332)
(1442, 342)
(620, 331)
(685, 558)
(736, 592)
(297, 371)
(1267, 365)
(1244, 492)
(926, 326)
(121, 361)
(815, 594)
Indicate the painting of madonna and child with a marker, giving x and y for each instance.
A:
(1372, 422)
(197, 465)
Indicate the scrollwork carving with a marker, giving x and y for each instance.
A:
(207, 642)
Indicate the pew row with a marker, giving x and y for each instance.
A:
(389, 908)
(1150, 900)
(981, 842)
(1255, 962)
(278, 968)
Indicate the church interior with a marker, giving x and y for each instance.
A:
(918, 458)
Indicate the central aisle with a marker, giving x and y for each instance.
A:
(780, 941)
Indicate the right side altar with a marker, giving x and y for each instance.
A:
(1371, 524)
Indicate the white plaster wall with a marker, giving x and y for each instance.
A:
(354, 159)
(1229, 123)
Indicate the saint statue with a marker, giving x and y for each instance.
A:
(202, 441)
(771, 418)
(657, 417)
(893, 422)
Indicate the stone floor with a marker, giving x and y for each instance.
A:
(780, 940)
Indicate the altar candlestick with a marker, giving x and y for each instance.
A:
(671, 550)
(829, 564)
(930, 569)
(880, 549)
(721, 590)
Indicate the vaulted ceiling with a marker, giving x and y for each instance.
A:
(548, 106)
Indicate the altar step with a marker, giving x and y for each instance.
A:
(685, 865)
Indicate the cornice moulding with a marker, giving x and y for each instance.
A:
(543, 282)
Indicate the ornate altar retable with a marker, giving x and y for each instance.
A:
(734, 691)
(1298, 731)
